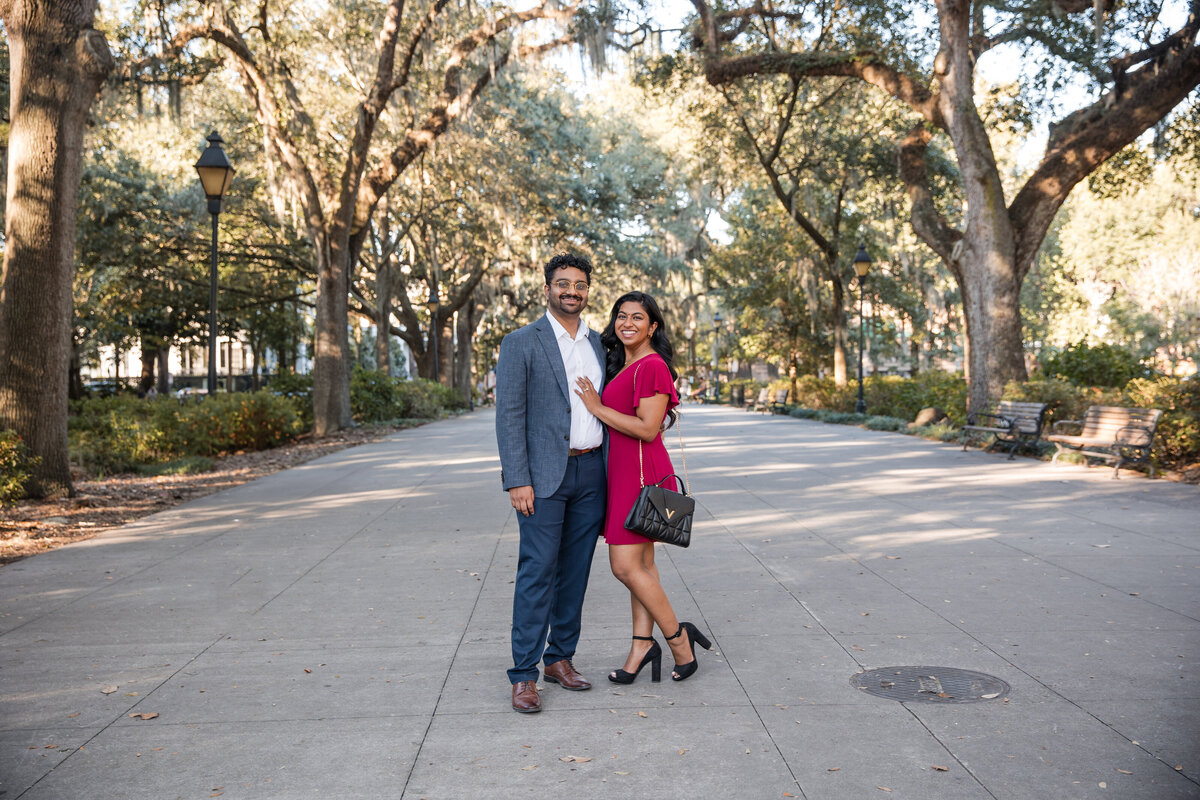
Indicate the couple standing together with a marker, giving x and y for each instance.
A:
(559, 387)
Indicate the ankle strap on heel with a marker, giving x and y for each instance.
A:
(644, 638)
(676, 636)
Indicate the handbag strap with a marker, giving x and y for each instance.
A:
(687, 482)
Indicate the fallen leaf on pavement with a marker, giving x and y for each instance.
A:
(883, 788)
(941, 769)
(531, 766)
(144, 714)
(108, 690)
(833, 769)
(575, 759)
(1124, 771)
(641, 713)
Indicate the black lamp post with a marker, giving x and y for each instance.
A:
(862, 264)
(433, 306)
(216, 173)
(716, 388)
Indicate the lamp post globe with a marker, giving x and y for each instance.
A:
(862, 265)
(216, 173)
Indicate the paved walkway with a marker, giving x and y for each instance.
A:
(340, 630)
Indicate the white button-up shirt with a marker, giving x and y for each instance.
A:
(580, 361)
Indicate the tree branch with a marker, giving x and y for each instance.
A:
(865, 65)
(1087, 137)
(927, 221)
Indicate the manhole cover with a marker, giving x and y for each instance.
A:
(930, 684)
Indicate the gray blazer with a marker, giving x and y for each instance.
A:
(533, 408)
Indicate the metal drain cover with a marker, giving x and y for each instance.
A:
(930, 684)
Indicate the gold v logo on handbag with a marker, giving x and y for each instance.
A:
(670, 513)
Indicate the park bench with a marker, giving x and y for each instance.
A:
(760, 402)
(1112, 433)
(1010, 423)
(779, 402)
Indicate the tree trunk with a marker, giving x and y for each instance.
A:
(57, 64)
(462, 357)
(383, 316)
(331, 375)
(839, 333)
(164, 374)
(149, 360)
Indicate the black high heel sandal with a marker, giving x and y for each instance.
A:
(685, 671)
(653, 657)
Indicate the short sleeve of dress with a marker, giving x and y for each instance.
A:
(653, 378)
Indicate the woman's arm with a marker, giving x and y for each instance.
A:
(645, 426)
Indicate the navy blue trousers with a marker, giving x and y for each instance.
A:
(557, 544)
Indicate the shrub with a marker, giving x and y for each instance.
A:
(375, 397)
(800, 412)
(116, 434)
(298, 388)
(1102, 365)
(16, 467)
(882, 423)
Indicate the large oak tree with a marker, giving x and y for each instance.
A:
(406, 72)
(58, 62)
(1138, 73)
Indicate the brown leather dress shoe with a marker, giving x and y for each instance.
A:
(563, 672)
(525, 697)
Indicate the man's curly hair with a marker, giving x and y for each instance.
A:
(566, 261)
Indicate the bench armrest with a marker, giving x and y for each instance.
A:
(990, 420)
(1062, 425)
(1134, 436)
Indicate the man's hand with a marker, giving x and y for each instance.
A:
(521, 498)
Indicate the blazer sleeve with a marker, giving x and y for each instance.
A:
(512, 377)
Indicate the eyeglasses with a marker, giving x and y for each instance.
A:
(562, 286)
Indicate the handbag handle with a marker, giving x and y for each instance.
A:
(687, 483)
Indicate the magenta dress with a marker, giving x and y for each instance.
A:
(623, 393)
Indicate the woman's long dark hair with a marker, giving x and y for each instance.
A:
(615, 351)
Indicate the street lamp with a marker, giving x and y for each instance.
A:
(862, 264)
(433, 305)
(716, 388)
(216, 173)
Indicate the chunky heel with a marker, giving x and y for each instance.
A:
(653, 657)
(685, 671)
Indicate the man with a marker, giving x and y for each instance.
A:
(552, 466)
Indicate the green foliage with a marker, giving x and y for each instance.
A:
(884, 423)
(16, 467)
(375, 397)
(1177, 440)
(189, 465)
(298, 388)
(119, 433)
(938, 432)
(1099, 365)
(889, 394)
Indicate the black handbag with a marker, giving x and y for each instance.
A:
(660, 513)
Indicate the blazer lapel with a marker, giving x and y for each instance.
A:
(545, 335)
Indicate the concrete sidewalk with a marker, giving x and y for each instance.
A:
(340, 630)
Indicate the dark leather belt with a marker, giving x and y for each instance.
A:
(574, 452)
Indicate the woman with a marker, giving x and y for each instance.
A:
(639, 394)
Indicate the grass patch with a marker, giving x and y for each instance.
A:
(189, 465)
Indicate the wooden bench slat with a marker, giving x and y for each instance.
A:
(1112, 433)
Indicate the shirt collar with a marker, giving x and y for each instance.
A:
(560, 332)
